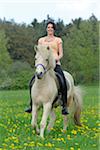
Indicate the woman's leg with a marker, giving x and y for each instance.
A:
(63, 89)
(29, 110)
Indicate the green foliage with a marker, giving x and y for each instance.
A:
(82, 53)
(18, 76)
(80, 44)
(5, 59)
(20, 73)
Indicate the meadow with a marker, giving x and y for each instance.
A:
(16, 132)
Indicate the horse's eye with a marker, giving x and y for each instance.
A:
(34, 53)
(46, 59)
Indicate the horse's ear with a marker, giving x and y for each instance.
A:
(35, 48)
(48, 48)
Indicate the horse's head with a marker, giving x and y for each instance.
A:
(44, 60)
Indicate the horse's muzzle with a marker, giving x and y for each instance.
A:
(39, 75)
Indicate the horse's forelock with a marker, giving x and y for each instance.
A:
(43, 50)
(47, 53)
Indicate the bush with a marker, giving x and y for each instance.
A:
(17, 77)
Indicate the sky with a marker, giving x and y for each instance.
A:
(24, 11)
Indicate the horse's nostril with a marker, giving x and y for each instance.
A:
(40, 73)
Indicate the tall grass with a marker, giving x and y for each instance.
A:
(16, 131)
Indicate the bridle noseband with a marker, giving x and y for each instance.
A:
(44, 68)
(41, 65)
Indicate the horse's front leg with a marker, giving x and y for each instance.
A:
(34, 117)
(65, 121)
(46, 112)
(52, 120)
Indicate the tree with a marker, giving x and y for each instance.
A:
(81, 52)
(5, 59)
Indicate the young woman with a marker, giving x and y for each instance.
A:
(56, 44)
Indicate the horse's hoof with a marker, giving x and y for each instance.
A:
(42, 137)
(64, 131)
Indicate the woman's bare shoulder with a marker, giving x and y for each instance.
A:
(41, 39)
(58, 39)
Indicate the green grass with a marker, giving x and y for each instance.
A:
(16, 131)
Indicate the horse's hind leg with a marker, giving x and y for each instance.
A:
(52, 120)
(78, 105)
(34, 118)
(46, 112)
(77, 117)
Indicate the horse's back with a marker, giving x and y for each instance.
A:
(69, 82)
(68, 77)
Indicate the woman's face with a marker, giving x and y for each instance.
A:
(50, 29)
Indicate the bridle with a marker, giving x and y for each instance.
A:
(44, 68)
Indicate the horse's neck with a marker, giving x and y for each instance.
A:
(52, 73)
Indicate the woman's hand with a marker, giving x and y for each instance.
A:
(57, 60)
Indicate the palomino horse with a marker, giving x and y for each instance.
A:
(45, 91)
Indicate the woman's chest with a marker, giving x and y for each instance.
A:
(53, 45)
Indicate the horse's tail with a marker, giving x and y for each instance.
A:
(78, 104)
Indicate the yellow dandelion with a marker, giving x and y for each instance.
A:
(62, 139)
(6, 140)
(25, 144)
(52, 129)
(58, 139)
(4, 144)
(58, 121)
(68, 137)
(39, 144)
(87, 127)
(49, 145)
(58, 149)
(16, 140)
(31, 144)
(12, 146)
(74, 132)
(94, 129)
(33, 131)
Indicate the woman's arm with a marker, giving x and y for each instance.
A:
(60, 52)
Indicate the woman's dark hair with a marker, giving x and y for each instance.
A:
(51, 22)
